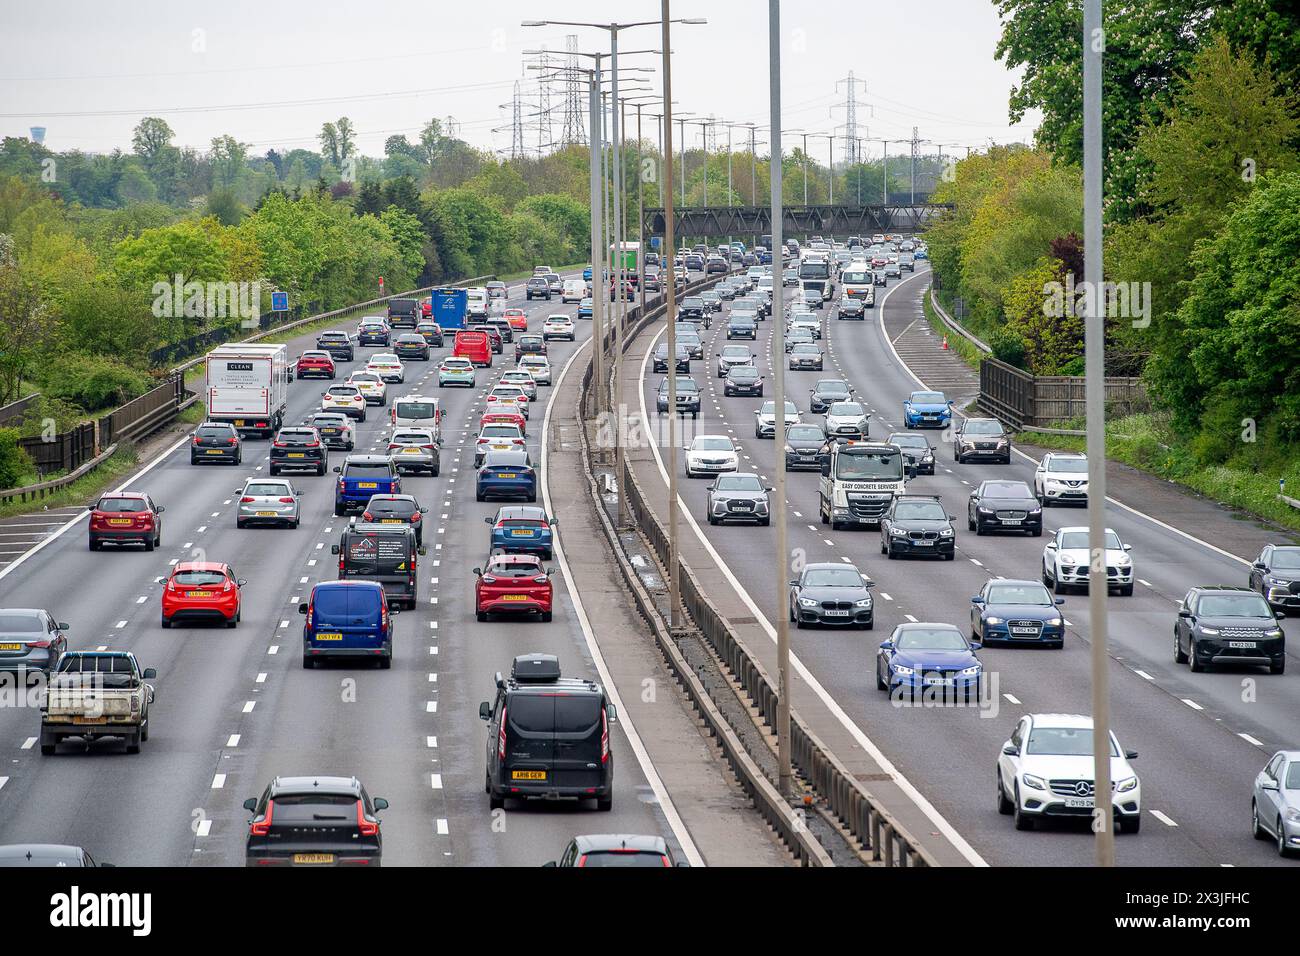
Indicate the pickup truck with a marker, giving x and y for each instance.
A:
(97, 694)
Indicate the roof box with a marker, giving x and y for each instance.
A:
(535, 668)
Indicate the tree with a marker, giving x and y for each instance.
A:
(370, 199)
(347, 135)
(151, 136)
(25, 330)
(227, 158)
(329, 144)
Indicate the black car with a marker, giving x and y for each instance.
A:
(692, 307)
(660, 358)
(998, 505)
(851, 307)
(548, 736)
(738, 496)
(742, 326)
(502, 325)
(712, 302)
(917, 451)
(917, 524)
(298, 447)
(1228, 625)
(688, 397)
(403, 313)
(805, 447)
(314, 821)
(216, 441)
(338, 344)
(31, 640)
(732, 355)
(830, 593)
(878, 277)
(1276, 575)
(373, 333)
(529, 343)
(411, 345)
(715, 265)
(827, 392)
(432, 333)
(743, 380)
(981, 438)
(396, 510)
(334, 430)
(537, 288)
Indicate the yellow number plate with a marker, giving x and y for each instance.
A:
(119, 521)
(528, 775)
(239, 423)
(214, 451)
(266, 514)
(312, 859)
(521, 533)
(509, 475)
(515, 597)
(297, 454)
(411, 451)
(195, 594)
(89, 720)
(11, 647)
(391, 521)
(367, 484)
(329, 637)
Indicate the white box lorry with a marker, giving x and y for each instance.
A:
(248, 386)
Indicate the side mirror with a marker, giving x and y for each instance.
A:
(1268, 784)
(241, 582)
(1051, 546)
(302, 608)
(92, 506)
(1258, 565)
(63, 626)
(337, 470)
(549, 863)
(478, 571)
(886, 645)
(1183, 612)
(380, 804)
(334, 549)
(975, 645)
(611, 712)
(251, 804)
(977, 600)
(1130, 754)
(150, 673)
(1060, 601)
(1011, 750)
(550, 572)
(485, 711)
(161, 509)
(1128, 547)
(911, 472)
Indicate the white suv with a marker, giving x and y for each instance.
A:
(1045, 770)
(538, 367)
(558, 327)
(1065, 561)
(1062, 477)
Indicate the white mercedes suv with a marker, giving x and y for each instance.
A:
(1065, 561)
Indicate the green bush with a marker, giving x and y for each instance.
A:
(14, 463)
(94, 382)
(1008, 347)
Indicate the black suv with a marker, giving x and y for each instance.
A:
(660, 358)
(338, 344)
(403, 312)
(537, 288)
(299, 447)
(917, 524)
(411, 345)
(692, 307)
(688, 397)
(917, 451)
(216, 441)
(975, 438)
(373, 332)
(314, 821)
(1228, 625)
(1276, 575)
(998, 505)
(548, 736)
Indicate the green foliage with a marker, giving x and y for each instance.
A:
(14, 463)
(95, 383)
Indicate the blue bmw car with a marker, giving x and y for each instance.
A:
(585, 308)
(506, 474)
(520, 529)
(1017, 612)
(929, 658)
(927, 410)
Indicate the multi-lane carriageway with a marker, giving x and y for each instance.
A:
(1202, 738)
(235, 707)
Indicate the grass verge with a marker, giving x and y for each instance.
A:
(82, 491)
(965, 349)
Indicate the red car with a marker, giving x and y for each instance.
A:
(201, 591)
(319, 364)
(124, 518)
(426, 307)
(628, 288)
(513, 584)
(517, 318)
(504, 418)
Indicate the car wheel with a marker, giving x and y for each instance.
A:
(880, 681)
(1281, 839)
(166, 624)
(1193, 658)
(1126, 591)
(1256, 830)
(890, 552)
(1130, 824)
(133, 743)
(148, 544)
(308, 662)
(233, 622)
(1277, 668)
(1022, 819)
(480, 615)
(799, 623)
(1179, 656)
(547, 616)
(970, 522)
(1004, 805)
(1058, 587)
(94, 544)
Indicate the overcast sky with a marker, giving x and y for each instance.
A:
(271, 72)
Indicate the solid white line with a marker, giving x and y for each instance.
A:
(1163, 819)
(648, 768)
(940, 822)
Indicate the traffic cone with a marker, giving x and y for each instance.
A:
(945, 340)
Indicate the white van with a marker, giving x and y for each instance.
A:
(476, 303)
(417, 411)
(574, 290)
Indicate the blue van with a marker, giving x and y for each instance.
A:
(347, 619)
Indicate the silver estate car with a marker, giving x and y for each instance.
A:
(1275, 803)
(267, 501)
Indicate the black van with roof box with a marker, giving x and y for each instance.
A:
(548, 736)
(387, 553)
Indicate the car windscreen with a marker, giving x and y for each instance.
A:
(1078, 541)
(846, 408)
(198, 579)
(392, 507)
(866, 466)
(739, 483)
(506, 459)
(1063, 742)
(769, 408)
(928, 398)
(1233, 605)
(983, 427)
(741, 373)
(1007, 489)
(909, 441)
(1070, 466)
(294, 809)
(1292, 781)
(122, 505)
(805, 433)
(20, 624)
(214, 432)
(362, 470)
(806, 348)
(931, 639)
(832, 578)
(414, 409)
(266, 489)
(919, 511)
(1288, 558)
(499, 431)
(712, 444)
(343, 391)
(1027, 594)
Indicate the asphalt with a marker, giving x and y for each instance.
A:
(1202, 738)
(235, 708)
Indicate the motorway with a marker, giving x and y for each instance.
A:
(235, 707)
(1202, 738)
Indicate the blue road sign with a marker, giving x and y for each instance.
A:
(279, 302)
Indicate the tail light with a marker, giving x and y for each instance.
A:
(604, 736)
(540, 579)
(41, 644)
(364, 826)
(367, 516)
(415, 517)
(232, 441)
(489, 579)
(429, 447)
(225, 585)
(281, 444)
(312, 444)
(196, 439)
(263, 827)
(501, 735)
(171, 585)
(286, 501)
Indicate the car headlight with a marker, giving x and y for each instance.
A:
(1035, 511)
(1274, 582)
(1053, 622)
(927, 458)
(970, 671)
(1274, 632)
(901, 670)
(1127, 784)
(897, 533)
(1292, 816)
(945, 532)
(985, 511)
(807, 602)
(1034, 783)
(1210, 630)
(865, 602)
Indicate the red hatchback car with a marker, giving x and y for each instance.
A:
(513, 584)
(201, 591)
(318, 364)
(123, 518)
(517, 318)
